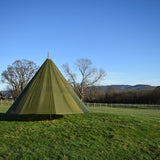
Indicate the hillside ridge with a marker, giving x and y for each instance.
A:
(137, 87)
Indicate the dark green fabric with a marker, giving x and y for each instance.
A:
(48, 93)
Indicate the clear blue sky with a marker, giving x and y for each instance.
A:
(120, 36)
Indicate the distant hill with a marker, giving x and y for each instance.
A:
(6, 93)
(138, 87)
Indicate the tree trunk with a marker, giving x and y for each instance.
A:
(82, 93)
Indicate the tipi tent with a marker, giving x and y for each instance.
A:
(47, 93)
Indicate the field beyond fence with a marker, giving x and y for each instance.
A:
(116, 105)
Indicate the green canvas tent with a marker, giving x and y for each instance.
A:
(47, 93)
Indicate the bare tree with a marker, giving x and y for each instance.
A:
(18, 75)
(89, 76)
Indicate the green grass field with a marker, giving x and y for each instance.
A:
(152, 114)
(104, 133)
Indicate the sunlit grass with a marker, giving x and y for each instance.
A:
(4, 108)
(142, 113)
(103, 134)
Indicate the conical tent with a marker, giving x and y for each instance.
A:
(48, 93)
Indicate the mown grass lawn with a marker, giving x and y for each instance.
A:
(93, 136)
(152, 114)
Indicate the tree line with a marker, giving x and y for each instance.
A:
(94, 95)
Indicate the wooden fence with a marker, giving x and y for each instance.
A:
(6, 102)
(123, 105)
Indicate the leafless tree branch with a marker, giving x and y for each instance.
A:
(89, 75)
(18, 75)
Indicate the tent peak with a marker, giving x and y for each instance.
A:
(48, 55)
